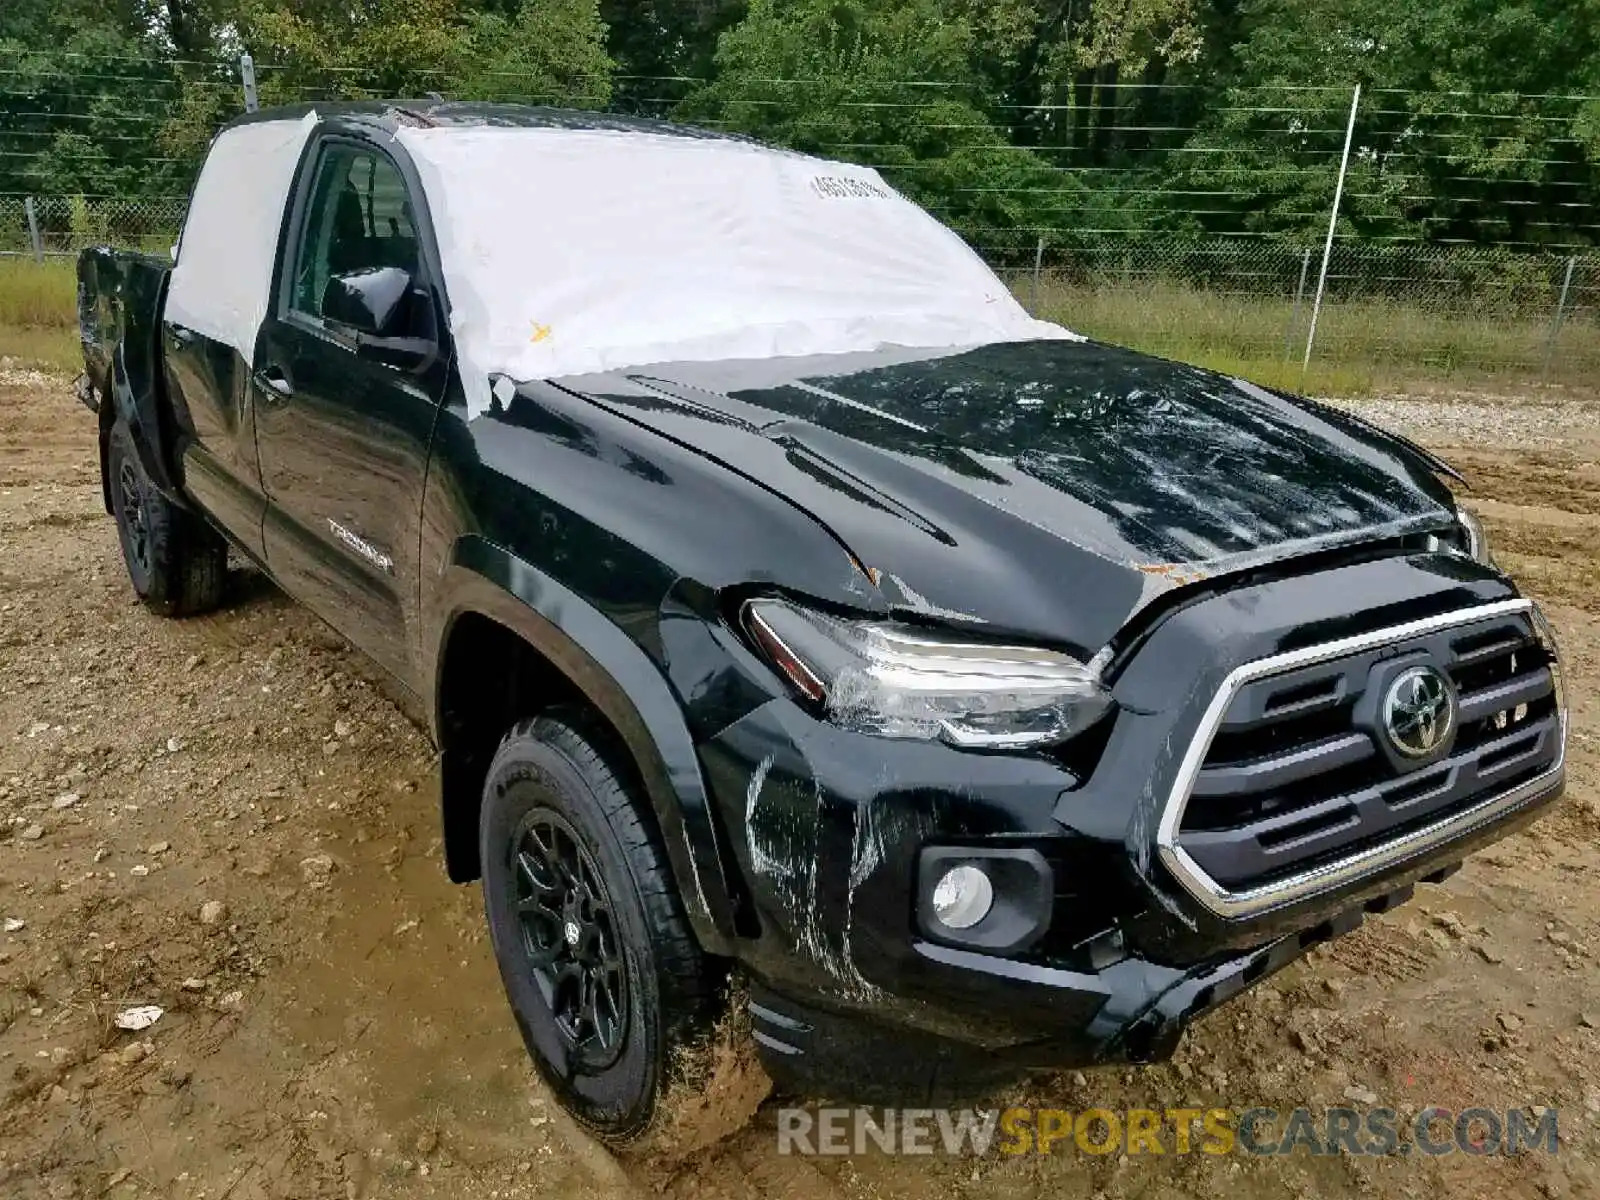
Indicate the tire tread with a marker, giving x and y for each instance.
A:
(689, 984)
(203, 566)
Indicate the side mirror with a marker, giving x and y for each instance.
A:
(371, 301)
(382, 307)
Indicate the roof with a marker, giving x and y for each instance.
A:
(390, 114)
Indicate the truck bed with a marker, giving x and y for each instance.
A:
(119, 315)
(120, 297)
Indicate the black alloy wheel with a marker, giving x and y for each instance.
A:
(570, 937)
(133, 523)
(177, 563)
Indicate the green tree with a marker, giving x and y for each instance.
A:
(539, 51)
(1468, 129)
(549, 52)
(898, 85)
(661, 46)
(1079, 76)
(78, 106)
(1010, 118)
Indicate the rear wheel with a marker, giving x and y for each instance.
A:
(603, 975)
(176, 562)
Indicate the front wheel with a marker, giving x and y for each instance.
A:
(603, 975)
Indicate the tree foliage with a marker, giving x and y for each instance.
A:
(1469, 130)
(1011, 118)
(909, 86)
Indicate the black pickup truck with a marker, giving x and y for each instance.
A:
(993, 704)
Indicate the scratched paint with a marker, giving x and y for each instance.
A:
(921, 605)
(762, 861)
(867, 848)
(783, 833)
(866, 855)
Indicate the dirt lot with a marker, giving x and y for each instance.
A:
(224, 817)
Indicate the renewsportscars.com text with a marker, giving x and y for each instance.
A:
(1433, 1131)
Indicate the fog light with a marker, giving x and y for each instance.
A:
(962, 897)
(996, 899)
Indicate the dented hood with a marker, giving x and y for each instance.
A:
(1044, 489)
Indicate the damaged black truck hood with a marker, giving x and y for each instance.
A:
(1043, 489)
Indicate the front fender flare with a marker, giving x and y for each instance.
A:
(622, 682)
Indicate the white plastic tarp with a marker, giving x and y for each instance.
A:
(569, 252)
(223, 275)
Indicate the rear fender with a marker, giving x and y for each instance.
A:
(139, 405)
(120, 298)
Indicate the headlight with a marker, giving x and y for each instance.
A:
(1477, 542)
(903, 681)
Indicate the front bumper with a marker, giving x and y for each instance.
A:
(998, 1019)
(828, 828)
(1141, 1010)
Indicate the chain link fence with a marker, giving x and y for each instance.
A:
(61, 226)
(1395, 313)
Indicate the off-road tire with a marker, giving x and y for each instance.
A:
(560, 763)
(177, 563)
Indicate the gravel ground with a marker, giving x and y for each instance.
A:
(1480, 419)
(226, 818)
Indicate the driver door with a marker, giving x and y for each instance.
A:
(342, 435)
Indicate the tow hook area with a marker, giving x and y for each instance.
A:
(1153, 1035)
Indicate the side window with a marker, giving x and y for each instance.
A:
(359, 218)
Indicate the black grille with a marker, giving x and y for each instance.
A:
(1298, 772)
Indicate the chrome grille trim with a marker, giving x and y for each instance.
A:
(1253, 901)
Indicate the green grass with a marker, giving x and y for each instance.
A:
(42, 348)
(1362, 347)
(39, 313)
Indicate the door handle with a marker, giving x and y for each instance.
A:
(275, 382)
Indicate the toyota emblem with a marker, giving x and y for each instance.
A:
(1419, 712)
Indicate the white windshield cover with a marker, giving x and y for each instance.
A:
(569, 252)
(230, 237)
